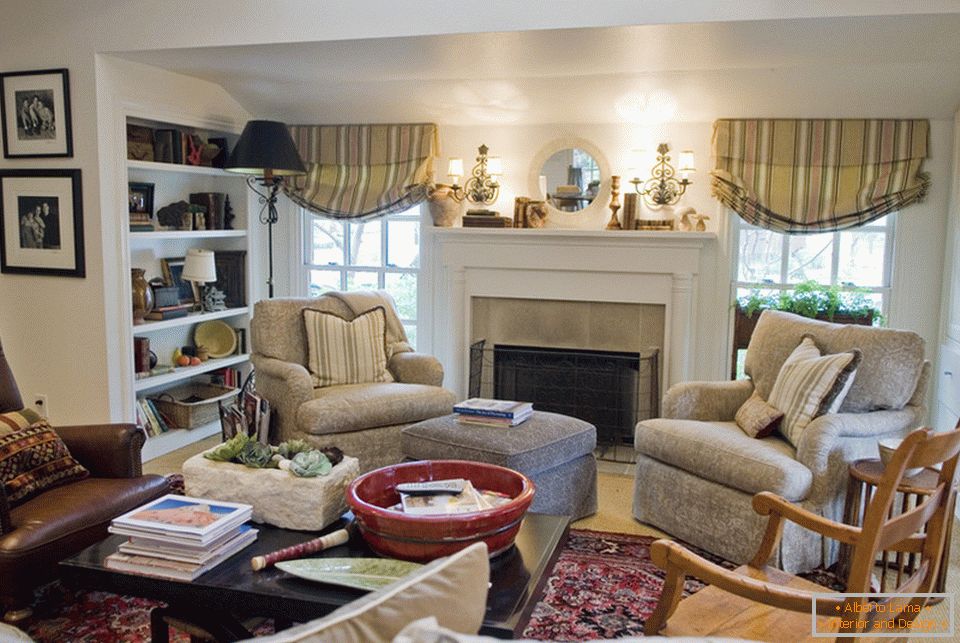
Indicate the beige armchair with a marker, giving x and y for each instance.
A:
(697, 472)
(362, 419)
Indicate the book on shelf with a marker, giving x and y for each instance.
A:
(176, 568)
(141, 227)
(173, 313)
(486, 221)
(150, 424)
(182, 519)
(494, 408)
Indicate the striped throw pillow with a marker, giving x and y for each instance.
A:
(346, 352)
(34, 459)
(16, 420)
(810, 384)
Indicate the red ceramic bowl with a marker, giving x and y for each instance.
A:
(423, 538)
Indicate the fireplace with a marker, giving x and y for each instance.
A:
(612, 390)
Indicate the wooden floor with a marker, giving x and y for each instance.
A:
(615, 491)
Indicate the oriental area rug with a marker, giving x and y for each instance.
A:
(603, 585)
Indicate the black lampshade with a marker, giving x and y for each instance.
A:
(263, 146)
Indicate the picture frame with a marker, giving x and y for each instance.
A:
(173, 276)
(41, 223)
(232, 276)
(140, 198)
(35, 114)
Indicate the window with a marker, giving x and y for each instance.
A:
(773, 262)
(382, 254)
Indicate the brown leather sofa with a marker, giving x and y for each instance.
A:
(37, 534)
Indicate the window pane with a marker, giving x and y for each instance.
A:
(365, 244)
(357, 280)
(323, 280)
(810, 258)
(326, 243)
(862, 258)
(403, 287)
(411, 331)
(403, 244)
(760, 253)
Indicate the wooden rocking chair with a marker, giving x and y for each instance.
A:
(759, 602)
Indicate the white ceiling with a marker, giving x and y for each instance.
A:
(894, 66)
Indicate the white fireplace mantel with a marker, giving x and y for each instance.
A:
(569, 265)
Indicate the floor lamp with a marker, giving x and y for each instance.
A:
(267, 153)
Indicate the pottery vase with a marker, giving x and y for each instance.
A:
(444, 209)
(142, 295)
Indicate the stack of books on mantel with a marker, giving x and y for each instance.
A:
(179, 538)
(503, 413)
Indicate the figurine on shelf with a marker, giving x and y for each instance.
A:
(684, 224)
(228, 215)
(701, 226)
(214, 299)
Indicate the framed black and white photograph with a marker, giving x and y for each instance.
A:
(35, 114)
(41, 212)
(232, 276)
(141, 198)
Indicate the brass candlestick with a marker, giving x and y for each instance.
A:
(614, 223)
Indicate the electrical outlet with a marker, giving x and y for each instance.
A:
(40, 404)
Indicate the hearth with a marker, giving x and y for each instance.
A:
(612, 390)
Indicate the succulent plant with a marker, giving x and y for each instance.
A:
(256, 455)
(229, 450)
(310, 464)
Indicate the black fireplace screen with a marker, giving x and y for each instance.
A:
(610, 389)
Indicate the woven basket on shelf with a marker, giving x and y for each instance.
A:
(203, 407)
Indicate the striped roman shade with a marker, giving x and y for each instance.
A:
(362, 172)
(346, 352)
(810, 385)
(807, 176)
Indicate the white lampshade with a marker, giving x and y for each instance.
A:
(494, 166)
(199, 266)
(455, 169)
(686, 163)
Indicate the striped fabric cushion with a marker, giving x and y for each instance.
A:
(346, 352)
(810, 385)
(33, 460)
(16, 420)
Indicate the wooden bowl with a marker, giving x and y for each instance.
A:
(887, 448)
(395, 534)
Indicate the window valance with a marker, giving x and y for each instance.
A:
(362, 172)
(805, 176)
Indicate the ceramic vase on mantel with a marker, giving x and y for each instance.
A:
(142, 295)
(445, 210)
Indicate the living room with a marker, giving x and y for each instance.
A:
(526, 83)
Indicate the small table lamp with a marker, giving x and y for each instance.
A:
(199, 267)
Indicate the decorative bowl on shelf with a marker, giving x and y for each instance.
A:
(420, 538)
(217, 336)
(887, 448)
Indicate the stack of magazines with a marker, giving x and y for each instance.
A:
(179, 537)
(503, 413)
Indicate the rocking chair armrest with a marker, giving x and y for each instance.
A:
(766, 503)
(674, 557)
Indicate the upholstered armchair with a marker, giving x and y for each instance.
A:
(364, 420)
(697, 471)
(37, 533)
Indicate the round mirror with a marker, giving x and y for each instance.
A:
(569, 179)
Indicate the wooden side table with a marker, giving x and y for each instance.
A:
(864, 478)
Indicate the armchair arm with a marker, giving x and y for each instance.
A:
(717, 401)
(416, 368)
(286, 384)
(107, 450)
(832, 441)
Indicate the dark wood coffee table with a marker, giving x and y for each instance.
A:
(233, 588)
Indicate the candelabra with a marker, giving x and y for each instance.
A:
(663, 187)
(483, 186)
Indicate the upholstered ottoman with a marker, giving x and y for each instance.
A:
(555, 451)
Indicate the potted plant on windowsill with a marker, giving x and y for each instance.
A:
(809, 299)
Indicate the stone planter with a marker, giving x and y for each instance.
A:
(278, 497)
(444, 209)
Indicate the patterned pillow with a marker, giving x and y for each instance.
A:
(16, 420)
(346, 352)
(33, 460)
(757, 418)
(810, 385)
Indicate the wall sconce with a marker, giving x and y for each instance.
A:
(483, 186)
(266, 152)
(663, 188)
